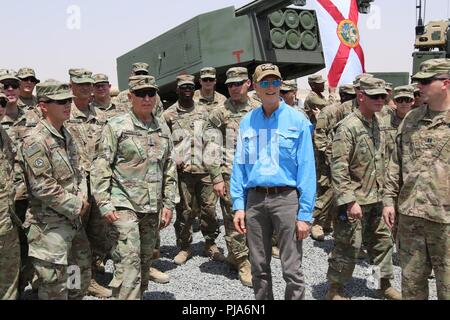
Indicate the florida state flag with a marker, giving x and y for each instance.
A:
(344, 57)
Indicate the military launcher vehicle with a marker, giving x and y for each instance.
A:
(276, 31)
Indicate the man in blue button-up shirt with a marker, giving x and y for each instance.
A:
(273, 184)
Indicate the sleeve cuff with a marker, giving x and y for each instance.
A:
(305, 216)
(388, 202)
(238, 204)
(106, 208)
(345, 198)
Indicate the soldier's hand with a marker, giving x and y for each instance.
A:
(239, 222)
(316, 112)
(219, 189)
(166, 218)
(111, 216)
(389, 216)
(302, 229)
(354, 210)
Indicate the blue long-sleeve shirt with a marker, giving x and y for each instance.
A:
(275, 151)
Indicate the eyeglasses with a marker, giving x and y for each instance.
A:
(427, 81)
(29, 79)
(284, 91)
(60, 102)
(377, 96)
(403, 99)
(235, 84)
(208, 79)
(101, 85)
(187, 87)
(266, 83)
(145, 93)
(14, 85)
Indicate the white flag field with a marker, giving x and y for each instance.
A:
(344, 56)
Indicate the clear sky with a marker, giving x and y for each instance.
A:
(46, 34)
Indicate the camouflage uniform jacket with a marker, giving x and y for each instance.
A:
(135, 168)
(85, 131)
(7, 157)
(357, 164)
(419, 170)
(392, 122)
(27, 103)
(313, 101)
(187, 133)
(110, 110)
(226, 119)
(323, 132)
(217, 100)
(50, 161)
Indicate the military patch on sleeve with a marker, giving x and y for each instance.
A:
(32, 150)
(39, 163)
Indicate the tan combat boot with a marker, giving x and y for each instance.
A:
(182, 257)
(317, 233)
(213, 252)
(245, 274)
(335, 292)
(158, 276)
(275, 252)
(388, 291)
(98, 291)
(231, 261)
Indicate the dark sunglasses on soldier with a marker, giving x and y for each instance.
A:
(187, 87)
(377, 96)
(284, 91)
(208, 79)
(145, 93)
(427, 81)
(13, 84)
(60, 102)
(3, 103)
(29, 79)
(235, 84)
(403, 99)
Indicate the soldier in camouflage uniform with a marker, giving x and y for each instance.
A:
(389, 100)
(134, 178)
(206, 95)
(28, 81)
(358, 168)
(315, 101)
(323, 138)
(220, 142)
(102, 97)
(186, 120)
(9, 239)
(288, 92)
(419, 180)
(85, 125)
(58, 199)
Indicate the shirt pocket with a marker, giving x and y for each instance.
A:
(62, 169)
(131, 150)
(288, 142)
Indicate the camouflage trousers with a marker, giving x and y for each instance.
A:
(9, 265)
(350, 234)
(134, 236)
(325, 206)
(199, 186)
(26, 268)
(236, 242)
(423, 246)
(62, 260)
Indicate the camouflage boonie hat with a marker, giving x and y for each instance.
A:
(236, 74)
(8, 74)
(264, 70)
(185, 79)
(80, 76)
(433, 67)
(316, 78)
(372, 86)
(389, 86)
(141, 82)
(140, 66)
(208, 72)
(53, 90)
(27, 72)
(289, 85)
(403, 91)
(359, 77)
(347, 88)
(100, 78)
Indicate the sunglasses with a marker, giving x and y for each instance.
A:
(427, 81)
(187, 87)
(377, 96)
(145, 93)
(208, 79)
(3, 103)
(416, 94)
(60, 102)
(266, 83)
(29, 79)
(101, 85)
(14, 85)
(235, 84)
(284, 91)
(403, 99)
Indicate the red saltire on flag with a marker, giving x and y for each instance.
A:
(344, 57)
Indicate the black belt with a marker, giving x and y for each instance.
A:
(273, 190)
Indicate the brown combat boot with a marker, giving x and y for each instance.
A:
(99, 291)
(317, 233)
(245, 274)
(275, 252)
(158, 276)
(182, 256)
(335, 292)
(213, 252)
(388, 291)
(156, 254)
(231, 261)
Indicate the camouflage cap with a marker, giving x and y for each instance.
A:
(416, 87)
(264, 70)
(208, 72)
(140, 66)
(359, 77)
(433, 67)
(372, 86)
(389, 86)
(289, 85)
(53, 90)
(316, 78)
(2, 95)
(80, 76)
(8, 74)
(100, 77)
(404, 91)
(347, 88)
(141, 82)
(236, 74)
(114, 92)
(27, 72)
(185, 79)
